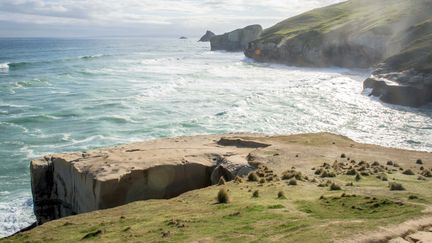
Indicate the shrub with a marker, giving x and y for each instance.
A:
(221, 181)
(223, 196)
(255, 194)
(375, 163)
(327, 173)
(292, 182)
(396, 186)
(408, 172)
(382, 177)
(286, 175)
(343, 155)
(351, 172)
(262, 181)
(238, 179)
(419, 162)
(335, 187)
(412, 197)
(389, 162)
(426, 173)
(318, 171)
(253, 176)
(349, 184)
(364, 173)
(358, 177)
(281, 195)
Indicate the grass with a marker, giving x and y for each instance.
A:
(195, 215)
(281, 213)
(223, 196)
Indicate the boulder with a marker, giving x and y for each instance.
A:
(207, 36)
(236, 40)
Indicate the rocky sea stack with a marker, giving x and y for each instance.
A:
(236, 40)
(394, 37)
(207, 36)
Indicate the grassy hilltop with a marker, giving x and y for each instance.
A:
(308, 188)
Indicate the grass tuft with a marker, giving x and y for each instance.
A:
(281, 195)
(223, 196)
(396, 186)
(253, 176)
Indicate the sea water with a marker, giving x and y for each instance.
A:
(59, 95)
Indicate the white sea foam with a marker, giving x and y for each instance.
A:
(15, 213)
(4, 66)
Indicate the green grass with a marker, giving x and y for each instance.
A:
(196, 215)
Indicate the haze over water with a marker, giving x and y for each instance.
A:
(59, 95)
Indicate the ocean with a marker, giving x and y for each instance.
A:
(59, 95)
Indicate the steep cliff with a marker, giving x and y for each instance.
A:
(392, 36)
(68, 184)
(236, 40)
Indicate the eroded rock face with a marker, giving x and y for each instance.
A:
(398, 93)
(207, 36)
(68, 184)
(236, 40)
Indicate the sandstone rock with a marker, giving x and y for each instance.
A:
(236, 40)
(421, 237)
(68, 184)
(73, 183)
(207, 36)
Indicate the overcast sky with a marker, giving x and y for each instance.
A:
(66, 18)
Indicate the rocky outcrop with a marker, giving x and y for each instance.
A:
(411, 89)
(68, 184)
(395, 40)
(207, 36)
(236, 40)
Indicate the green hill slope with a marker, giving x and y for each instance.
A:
(392, 35)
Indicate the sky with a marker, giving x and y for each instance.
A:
(116, 18)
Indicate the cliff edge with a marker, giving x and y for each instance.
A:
(74, 183)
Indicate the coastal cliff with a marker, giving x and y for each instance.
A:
(69, 184)
(394, 37)
(236, 40)
(314, 182)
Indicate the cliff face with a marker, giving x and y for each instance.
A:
(236, 40)
(68, 184)
(360, 34)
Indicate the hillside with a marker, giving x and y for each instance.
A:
(310, 188)
(394, 37)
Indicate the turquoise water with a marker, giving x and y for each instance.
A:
(60, 95)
